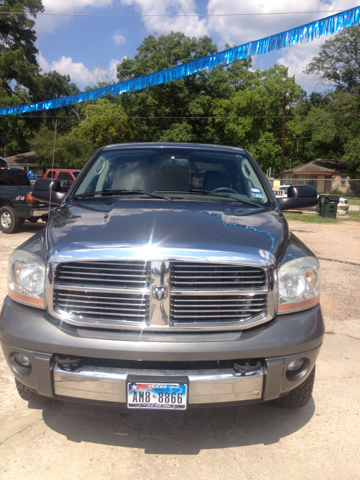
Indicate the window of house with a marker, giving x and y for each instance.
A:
(344, 181)
(304, 179)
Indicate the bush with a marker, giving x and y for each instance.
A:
(354, 188)
(336, 191)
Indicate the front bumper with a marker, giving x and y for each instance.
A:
(40, 337)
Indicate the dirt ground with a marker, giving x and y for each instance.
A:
(71, 441)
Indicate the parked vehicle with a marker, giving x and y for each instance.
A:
(343, 204)
(284, 190)
(3, 162)
(166, 278)
(66, 176)
(16, 202)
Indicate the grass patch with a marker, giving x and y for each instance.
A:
(353, 201)
(354, 216)
(309, 218)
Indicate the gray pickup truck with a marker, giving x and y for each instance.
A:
(16, 202)
(166, 278)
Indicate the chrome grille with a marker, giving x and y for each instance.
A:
(102, 306)
(200, 276)
(104, 274)
(219, 308)
(120, 294)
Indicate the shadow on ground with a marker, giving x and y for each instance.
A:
(28, 227)
(180, 433)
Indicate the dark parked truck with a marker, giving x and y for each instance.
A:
(16, 202)
(166, 278)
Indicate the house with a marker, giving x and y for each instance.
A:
(26, 161)
(323, 173)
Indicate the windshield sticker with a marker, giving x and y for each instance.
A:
(256, 192)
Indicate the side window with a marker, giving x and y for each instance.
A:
(51, 174)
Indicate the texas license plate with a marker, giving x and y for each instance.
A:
(157, 395)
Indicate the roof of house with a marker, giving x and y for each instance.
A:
(320, 165)
(27, 159)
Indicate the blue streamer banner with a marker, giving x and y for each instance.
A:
(326, 26)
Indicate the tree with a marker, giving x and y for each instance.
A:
(162, 106)
(338, 63)
(104, 123)
(18, 49)
(333, 120)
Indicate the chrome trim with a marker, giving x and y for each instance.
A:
(88, 251)
(157, 322)
(205, 386)
(160, 311)
(175, 291)
(135, 291)
(39, 213)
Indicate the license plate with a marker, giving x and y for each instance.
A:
(157, 395)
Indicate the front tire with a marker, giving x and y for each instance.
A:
(29, 394)
(9, 221)
(299, 397)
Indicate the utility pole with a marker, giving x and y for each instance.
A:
(283, 139)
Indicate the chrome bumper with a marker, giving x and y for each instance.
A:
(205, 386)
(40, 213)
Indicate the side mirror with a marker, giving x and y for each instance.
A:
(299, 196)
(47, 189)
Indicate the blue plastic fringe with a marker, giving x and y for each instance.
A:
(305, 33)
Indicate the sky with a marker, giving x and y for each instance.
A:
(88, 48)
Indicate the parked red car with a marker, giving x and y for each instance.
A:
(66, 176)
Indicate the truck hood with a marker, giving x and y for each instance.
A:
(210, 226)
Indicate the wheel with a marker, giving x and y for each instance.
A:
(299, 397)
(9, 221)
(29, 394)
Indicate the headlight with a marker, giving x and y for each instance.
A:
(299, 284)
(26, 278)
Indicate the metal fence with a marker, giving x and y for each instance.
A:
(344, 187)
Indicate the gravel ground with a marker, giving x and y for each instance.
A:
(62, 441)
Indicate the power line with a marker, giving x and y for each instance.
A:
(338, 135)
(170, 14)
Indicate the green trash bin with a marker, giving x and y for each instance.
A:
(327, 206)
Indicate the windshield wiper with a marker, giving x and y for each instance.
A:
(109, 193)
(200, 191)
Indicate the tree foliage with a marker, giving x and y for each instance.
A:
(338, 63)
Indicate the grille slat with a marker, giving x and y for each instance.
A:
(112, 314)
(99, 278)
(97, 274)
(94, 309)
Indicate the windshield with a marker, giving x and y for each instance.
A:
(176, 172)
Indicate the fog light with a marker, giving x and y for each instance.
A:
(296, 365)
(22, 360)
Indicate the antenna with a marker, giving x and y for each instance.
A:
(52, 165)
